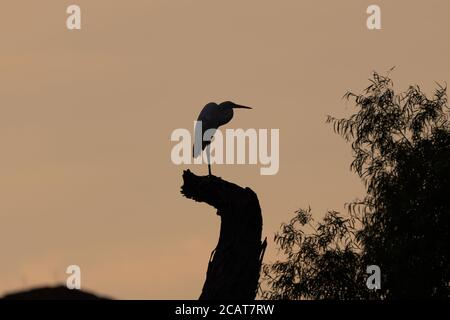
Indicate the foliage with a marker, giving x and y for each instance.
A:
(320, 264)
(401, 149)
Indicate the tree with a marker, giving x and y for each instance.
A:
(235, 264)
(401, 149)
(322, 260)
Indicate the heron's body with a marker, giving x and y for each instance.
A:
(212, 116)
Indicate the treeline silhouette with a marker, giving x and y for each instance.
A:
(59, 292)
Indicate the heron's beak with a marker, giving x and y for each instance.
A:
(237, 106)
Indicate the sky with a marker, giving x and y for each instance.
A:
(86, 119)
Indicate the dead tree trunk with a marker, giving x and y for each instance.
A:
(235, 264)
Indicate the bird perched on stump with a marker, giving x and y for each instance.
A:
(211, 117)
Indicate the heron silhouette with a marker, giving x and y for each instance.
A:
(212, 116)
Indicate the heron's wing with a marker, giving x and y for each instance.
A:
(200, 129)
(206, 120)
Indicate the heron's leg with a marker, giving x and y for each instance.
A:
(208, 158)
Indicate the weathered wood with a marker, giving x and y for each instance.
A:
(235, 264)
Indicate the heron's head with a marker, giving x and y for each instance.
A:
(232, 105)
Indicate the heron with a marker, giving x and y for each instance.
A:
(212, 116)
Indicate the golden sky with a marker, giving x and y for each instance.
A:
(86, 118)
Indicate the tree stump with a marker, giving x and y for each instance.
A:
(235, 264)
